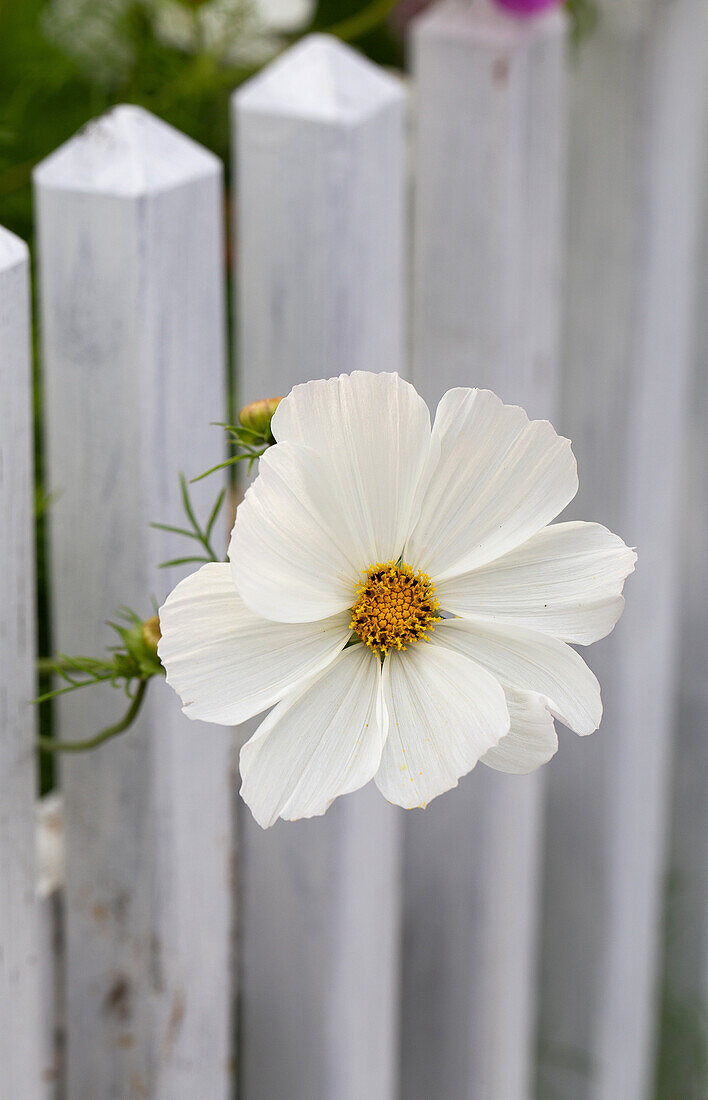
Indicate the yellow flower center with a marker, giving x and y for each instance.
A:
(395, 606)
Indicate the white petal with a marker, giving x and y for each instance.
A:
(373, 431)
(288, 549)
(226, 663)
(530, 661)
(323, 740)
(498, 480)
(566, 580)
(444, 713)
(532, 739)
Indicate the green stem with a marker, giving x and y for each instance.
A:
(50, 744)
(53, 664)
(363, 21)
(56, 692)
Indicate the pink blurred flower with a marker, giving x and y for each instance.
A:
(527, 7)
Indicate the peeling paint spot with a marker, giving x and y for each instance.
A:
(500, 72)
(174, 1023)
(117, 1000)
(157, 976)
(138, 1085)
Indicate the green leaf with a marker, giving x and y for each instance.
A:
(183, 561)
(215, 512)
(175, 530)
(187, 502)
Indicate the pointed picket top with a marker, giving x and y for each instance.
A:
(13, 250)
(322, 80)
(126, 152)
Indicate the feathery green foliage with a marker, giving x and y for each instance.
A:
(130, 666)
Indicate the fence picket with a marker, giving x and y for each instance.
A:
(636, 108)
(488, 220)
(320, 161)
(24, 1072)
(130, 238)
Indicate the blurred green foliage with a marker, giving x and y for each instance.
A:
(47, 95)
(50, 85)
(47, 91)
(584, 16)
(681, 1069)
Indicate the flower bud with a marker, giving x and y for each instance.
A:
(150, 633)
(257, 416)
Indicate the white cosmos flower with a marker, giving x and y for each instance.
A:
(436, 546)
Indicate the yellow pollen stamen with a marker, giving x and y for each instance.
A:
(395, 606)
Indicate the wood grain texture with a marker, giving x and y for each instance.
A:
(20, 1050)
(131, 282)
(320, 160)
(634, 170)
(488, 220)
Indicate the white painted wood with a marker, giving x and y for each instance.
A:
(636, 108)
(319, 238)
(51, 1022)
(487, 244)
(131, 281)
(20, 1061)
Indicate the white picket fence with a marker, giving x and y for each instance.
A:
(506, 943)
